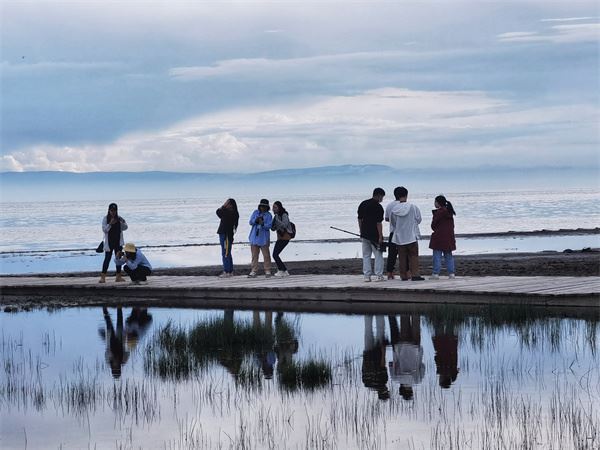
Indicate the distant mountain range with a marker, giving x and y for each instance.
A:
(28, 186)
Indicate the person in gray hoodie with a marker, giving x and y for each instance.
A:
(404, 224)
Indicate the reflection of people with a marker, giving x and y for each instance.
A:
(265, 358)
(445, 344)
(137, 265)
(113, 226)
(137, 323)
(116, 355)
(407, 367)
(286, 345)
(374, 371)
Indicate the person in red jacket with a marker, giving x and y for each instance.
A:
(442, 242)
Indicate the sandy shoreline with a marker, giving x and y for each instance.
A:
(576, 263)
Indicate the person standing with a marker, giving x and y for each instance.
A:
(443, 241)
(229, 215)
(370, 218)
(281, 225)
(260, 221)
(404, 223)
(112, 226)
(392, 249)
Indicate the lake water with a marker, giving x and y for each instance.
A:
(75, 227)
(435, 378)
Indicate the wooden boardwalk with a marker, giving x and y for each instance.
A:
(316, 292)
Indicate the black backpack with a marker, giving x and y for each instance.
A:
(293, 228)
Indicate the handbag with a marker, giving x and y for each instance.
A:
(100, 247)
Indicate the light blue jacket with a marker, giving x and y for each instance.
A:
(260, 234)
(140, 260)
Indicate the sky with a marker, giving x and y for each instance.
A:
(250, 86)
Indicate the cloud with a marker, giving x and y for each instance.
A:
(400, 127)
(558, 34)
(43, 67)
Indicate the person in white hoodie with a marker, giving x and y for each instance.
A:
(404, 224)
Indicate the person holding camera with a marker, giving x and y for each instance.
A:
(112, 226)
(260, 239)
(283, 227)
(136, 264)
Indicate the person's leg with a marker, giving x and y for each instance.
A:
(107, 256)
(266, 258)
(129, 272)
(255, 250)
(230, 257)
(279, 245)
(449, 262)
(118, 265)
(378, 262)
(392, 256)
(402, 261)
(223, 242)
(413, 259)
(367, 248)
(141, 272)
(437, 262)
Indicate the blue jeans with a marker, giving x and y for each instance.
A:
(437, 261)
(226, 244)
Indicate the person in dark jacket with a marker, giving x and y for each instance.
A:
(442, 242)
(228, 213)
(281, 225)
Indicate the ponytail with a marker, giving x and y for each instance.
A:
(441, 200)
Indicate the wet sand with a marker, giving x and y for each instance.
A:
(577, 263)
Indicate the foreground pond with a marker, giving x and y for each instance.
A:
(443, 377)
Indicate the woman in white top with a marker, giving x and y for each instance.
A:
(113, 226)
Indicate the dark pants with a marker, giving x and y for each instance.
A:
(392, 254)
(409, 260)
(139, 274)
(226, 244)
(279, 246)
(107, 257)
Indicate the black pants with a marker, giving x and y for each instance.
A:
(107, 257)
(392, 254)
(279, 246)
(139, 274)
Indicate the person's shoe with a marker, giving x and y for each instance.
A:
(136, 282)
(285, 273)
(417, 279)
(451, 276)
(102, 278)
(367, 279)
(224, 275)
(279, 274)
(390, 276)
(119, 278)
(434, 276)
(379, 278)
(252, 275)
(267, 274)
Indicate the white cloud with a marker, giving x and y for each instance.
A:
(399, 127)
(558, 34)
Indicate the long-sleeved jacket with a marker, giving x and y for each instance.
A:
(404, 223)
(281, 224)
(139, 260)
(106, 226)
(229, 222)
(442, 225)
(260, 233)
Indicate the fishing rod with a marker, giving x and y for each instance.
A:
(381, 248)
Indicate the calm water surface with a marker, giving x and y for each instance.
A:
(176, 378)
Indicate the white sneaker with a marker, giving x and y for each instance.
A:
(285, 273)
(279, 274)
(367, 279)
(451, 276)
(434, 276)
(224, 275)
(252, 275)
(267, 274)
(379, 278)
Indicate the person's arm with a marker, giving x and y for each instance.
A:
(418, 214)
(253, 218)
(120, 259)
(220, 213)
(285, 222)
(268, 221)
(105, 225)
(380, 231)
(123, 224)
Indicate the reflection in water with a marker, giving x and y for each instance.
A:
(374, 371)
(528, 379)
(407, 367)
(121, 341)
